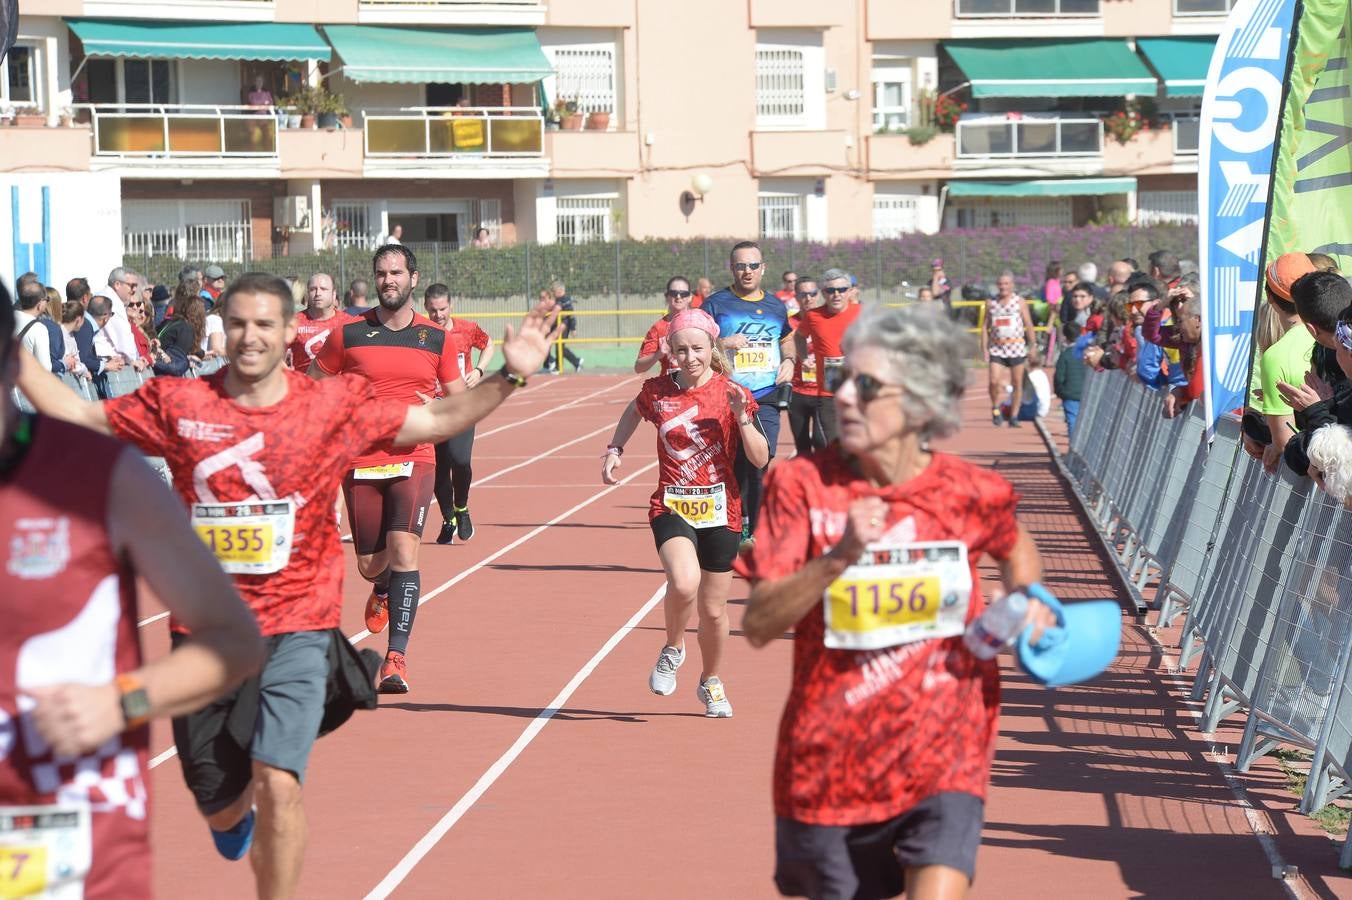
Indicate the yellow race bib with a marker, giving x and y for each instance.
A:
(701, 506)
(247, 538)
(383, 472)
(756, 356)
(898, 594)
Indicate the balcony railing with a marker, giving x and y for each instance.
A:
(1187, 135)
(977, 9)
(152, 130)
(985, 138)
(468, 132)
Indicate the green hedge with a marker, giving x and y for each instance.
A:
(642, 267)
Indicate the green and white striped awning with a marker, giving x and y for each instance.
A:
(372, 53)
(268, 41)
(1042, 187)
(1043, 67)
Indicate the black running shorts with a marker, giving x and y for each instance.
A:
(716, 548)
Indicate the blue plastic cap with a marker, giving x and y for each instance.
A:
(1085, 644)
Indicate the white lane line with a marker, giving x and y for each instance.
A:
(493, 557)
(495, 771)
(155, 618)
(549, 412)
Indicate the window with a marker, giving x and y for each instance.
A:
(781, 216)
(1203, 7)
(584, 219)
(113, 81)
(978, 8)
(587, 74)
(779, 85)
(891, 95)
(894, 216)
(1166, 207)
(355, 224)
(488, 214)
(214, 230)
(20, 84)
(1013, 211)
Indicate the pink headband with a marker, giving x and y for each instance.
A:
(695, 318)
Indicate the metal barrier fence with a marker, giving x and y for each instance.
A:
(1260, 566)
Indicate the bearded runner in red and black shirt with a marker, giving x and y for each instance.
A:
(406, 359)
(455, 472)
(241, 446)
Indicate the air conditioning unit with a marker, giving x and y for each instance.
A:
(291, 212)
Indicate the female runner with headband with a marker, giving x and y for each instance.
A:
(702, 417)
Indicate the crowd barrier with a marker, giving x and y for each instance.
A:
(120, 383)
(1258, 567)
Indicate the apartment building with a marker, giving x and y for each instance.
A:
(240, 128)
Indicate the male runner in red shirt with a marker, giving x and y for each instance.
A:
(825, 325)
(407, 359)
(241, 446)
(320, 316)
(454, 464)
(75, 695)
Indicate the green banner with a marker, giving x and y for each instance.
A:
(1312, 183)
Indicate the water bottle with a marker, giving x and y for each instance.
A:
(997, 626)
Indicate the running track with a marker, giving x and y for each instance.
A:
(531, 760)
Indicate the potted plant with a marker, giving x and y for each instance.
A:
(307, 103)
(598, 120)
(332, 109)
(29, 117)
(570, 118)
(1123, 125)
(947, 111)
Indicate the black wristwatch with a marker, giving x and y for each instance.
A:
(514, 379)
(135, 703)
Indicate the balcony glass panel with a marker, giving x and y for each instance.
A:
(1081, 137)
(181, 131)
(985, 140)
(504, 132)
(1037, 8)
(1187, 133)
(1037, 137)
(1029, 137)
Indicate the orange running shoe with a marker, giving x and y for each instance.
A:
(394, 674)
(377, 611)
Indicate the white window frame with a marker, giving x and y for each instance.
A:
(586, 73)
(1229, 5)
(790, 80)
(367, 212)
(895, 215)
(770, 203)
(1014, 12)
(35, 73)
(230, 239)
(583, 218)
(888, 71)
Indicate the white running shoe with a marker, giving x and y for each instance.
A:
(715, 700)
(663, 679)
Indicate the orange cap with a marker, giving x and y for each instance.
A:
(1284, 270)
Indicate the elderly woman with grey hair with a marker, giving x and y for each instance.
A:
(869, 549)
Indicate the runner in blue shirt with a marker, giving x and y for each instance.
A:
(754, 332)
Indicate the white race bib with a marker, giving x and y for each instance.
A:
(897, 595)
(756, 356)
(383, 472)
(251, 538)
(1006, 327)
(702, 507)
(45, 851)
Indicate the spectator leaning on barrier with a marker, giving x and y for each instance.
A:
(1322, 397)
(1188, 316)
(116, 338)
(30, 332)
(72, 320)
(1287, 360)
(1068, 380)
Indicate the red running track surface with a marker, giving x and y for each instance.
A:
(462, 788)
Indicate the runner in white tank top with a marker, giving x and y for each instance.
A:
(1004, 345)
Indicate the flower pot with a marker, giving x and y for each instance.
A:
(307, 121)
(346, 121)
(327, 120)
(293, 120)
(30, 120)
(571, 122)
(598, 121)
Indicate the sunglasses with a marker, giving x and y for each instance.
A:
(135, 303)
(742, 267)
(835, 291)
(1343, 333)
(808, 294)
(866, 387)
(678, 295)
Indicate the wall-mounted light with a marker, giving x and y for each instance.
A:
(700, 185)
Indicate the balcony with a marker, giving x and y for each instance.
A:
(36, 148)
(484, 142)
(452, 12)
(1065, 144)
(188, 137)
